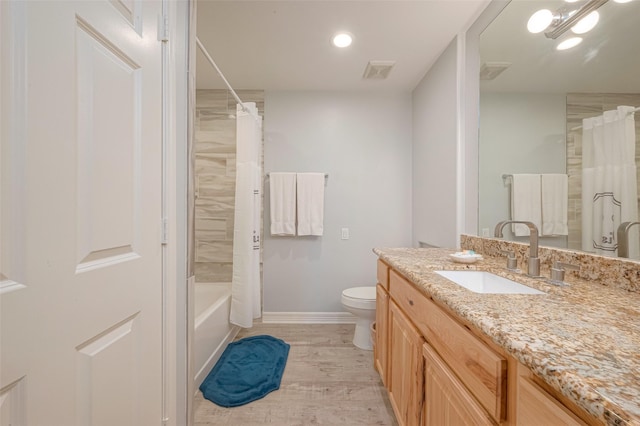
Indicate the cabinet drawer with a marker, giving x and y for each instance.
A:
(480, 369)
(383, 274)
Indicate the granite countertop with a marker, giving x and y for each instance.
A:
(582, 339)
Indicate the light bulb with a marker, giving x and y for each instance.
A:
(342, 40)
(539, 21)
(587, 23)
(569, 43)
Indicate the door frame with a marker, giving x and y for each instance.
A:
(178, 110)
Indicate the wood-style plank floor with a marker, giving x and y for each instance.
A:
(327, 381)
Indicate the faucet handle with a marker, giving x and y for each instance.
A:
(512, 262)
(558, 269)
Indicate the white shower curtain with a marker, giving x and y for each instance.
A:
(245, 286)
(609, 185)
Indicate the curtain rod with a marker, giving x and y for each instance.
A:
(211, 61)
(580, 127)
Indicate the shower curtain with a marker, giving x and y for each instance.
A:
(245, 285)
(609, 185)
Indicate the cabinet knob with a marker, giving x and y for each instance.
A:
(411, 302)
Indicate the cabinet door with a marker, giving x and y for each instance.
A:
(447, 401)
(537, 407)
(381, 348)
(406, 374)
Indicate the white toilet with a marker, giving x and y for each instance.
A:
(361, 302)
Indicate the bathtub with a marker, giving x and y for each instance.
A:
(212, 331)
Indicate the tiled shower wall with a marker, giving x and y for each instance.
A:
(215, 180)
(579, 106)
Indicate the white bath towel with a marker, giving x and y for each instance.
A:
(525, 202)
(310, 203)
(554, 189)
(282, 199)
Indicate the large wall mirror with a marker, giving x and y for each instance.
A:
(533, 99)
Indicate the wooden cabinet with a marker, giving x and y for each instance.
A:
(440, 372)
(481, 370)
(406, 374)
(381, 346)
(535, 406)
(448, 401)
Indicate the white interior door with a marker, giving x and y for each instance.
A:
(80, 283)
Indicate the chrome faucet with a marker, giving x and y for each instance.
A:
(623, 238)
(534, 261)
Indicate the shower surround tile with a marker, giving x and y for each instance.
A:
(218, 272)
(210, 164)
(215, 179)
(212, 229)
(214, 251)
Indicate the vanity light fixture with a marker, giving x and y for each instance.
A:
(623, 1)
(558, 22)
(587, 23)
(342, 39)
(539, 21)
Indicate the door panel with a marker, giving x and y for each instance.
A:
(80, 291)
(109, 90)
(406, 368)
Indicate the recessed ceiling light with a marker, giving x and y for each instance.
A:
(587, 23)
(342, 39)
(569, 43)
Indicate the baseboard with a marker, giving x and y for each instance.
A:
(308, 318)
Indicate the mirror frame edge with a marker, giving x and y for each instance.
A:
(470, 121)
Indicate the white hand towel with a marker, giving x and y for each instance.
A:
(554, 204)
(525, 202)
(282, 199)
(310, 203)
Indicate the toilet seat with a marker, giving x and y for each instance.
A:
(360, 297)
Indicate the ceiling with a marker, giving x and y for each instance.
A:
(607, 61)
(286, 45)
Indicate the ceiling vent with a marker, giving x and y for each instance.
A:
(378, 70)
(490, 70)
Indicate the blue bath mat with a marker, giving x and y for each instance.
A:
(248, 370)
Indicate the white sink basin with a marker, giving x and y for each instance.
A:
(486, 282)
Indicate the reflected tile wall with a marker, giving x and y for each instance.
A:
(215, 180)
(580, 106)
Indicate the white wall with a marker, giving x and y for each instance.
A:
(435, 112)
(363, 141)
(519, 133)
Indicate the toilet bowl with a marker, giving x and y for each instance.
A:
(361, 302)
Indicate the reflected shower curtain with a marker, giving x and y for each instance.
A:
(609, 185)
(245, 285)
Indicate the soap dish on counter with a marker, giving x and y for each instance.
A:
(465, 257)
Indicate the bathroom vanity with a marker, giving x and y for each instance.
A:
(450, 356)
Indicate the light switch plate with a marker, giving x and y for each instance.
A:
(345, 233)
